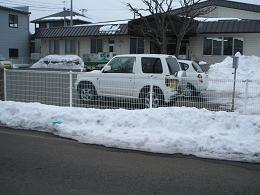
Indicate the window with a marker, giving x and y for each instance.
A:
(152, 65)
(222, 46)
(96, 45)
(217, 46)
(111, 43)
(238, 45)
(228, 46)
(54, 46)
(70, 46)
(13, 21)
(184, 66)
(173, 65)
(197, 67)
(136, 45)
(13, 53)
(207, 46)
(122, 65)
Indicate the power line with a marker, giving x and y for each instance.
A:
(7, 2)
(34, 2)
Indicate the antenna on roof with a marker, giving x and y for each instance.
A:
(83, 11)
(64, 8)
(71, 7)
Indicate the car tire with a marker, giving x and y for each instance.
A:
(190, 91)
(87, 92)
(158, 98)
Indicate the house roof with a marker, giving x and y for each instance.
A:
(60, 16)
(16, 9)
(229, 26)
(83, 31)
(224, 3)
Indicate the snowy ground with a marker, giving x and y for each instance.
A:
(217, 135)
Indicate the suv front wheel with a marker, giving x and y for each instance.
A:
(87, 92)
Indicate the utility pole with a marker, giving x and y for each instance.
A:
(64, 16)
(71, 13)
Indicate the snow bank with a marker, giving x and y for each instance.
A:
(249, 68)
(217, 135)
(60, 62)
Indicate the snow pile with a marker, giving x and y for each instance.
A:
(218, 135)
(60, 62)
(249, 68)
(221, 77)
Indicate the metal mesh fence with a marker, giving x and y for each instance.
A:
(1, 84)
(130, 92)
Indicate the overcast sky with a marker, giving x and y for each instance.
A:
(98, 10)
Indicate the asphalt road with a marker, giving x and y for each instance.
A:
(33, 163)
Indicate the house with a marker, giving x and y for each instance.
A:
(91, 40)
(60, 19)
(14, 33)
(229, 28)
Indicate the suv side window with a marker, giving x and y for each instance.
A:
(122, 65)
(173, 66)
(152, 65)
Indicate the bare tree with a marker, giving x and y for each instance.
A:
(152, 20)
(157, 18)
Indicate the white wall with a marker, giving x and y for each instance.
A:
(223, 12)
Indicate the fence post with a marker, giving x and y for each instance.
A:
(247, 83)
(151, 92)
(70, 88)
(5, 90)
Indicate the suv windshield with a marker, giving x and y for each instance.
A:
(197, 67)
(173, 65)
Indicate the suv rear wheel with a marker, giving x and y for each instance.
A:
(157, 98)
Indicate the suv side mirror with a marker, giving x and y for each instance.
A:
(107, 68)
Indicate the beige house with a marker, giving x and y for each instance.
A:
(92, 41)
(230, 28)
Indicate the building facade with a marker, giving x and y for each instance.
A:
(14, 34)
(231, 27)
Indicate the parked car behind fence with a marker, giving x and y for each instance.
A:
(129, 76)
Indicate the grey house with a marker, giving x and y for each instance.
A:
(14, 33)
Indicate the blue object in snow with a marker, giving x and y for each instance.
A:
(56, 122)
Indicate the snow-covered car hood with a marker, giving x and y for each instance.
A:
(60, 62)
(5, 64)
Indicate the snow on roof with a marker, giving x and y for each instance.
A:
(82, 18)
(106, 23)
(110, 29)
(202, 19)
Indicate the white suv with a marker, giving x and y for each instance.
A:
(131, 76)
